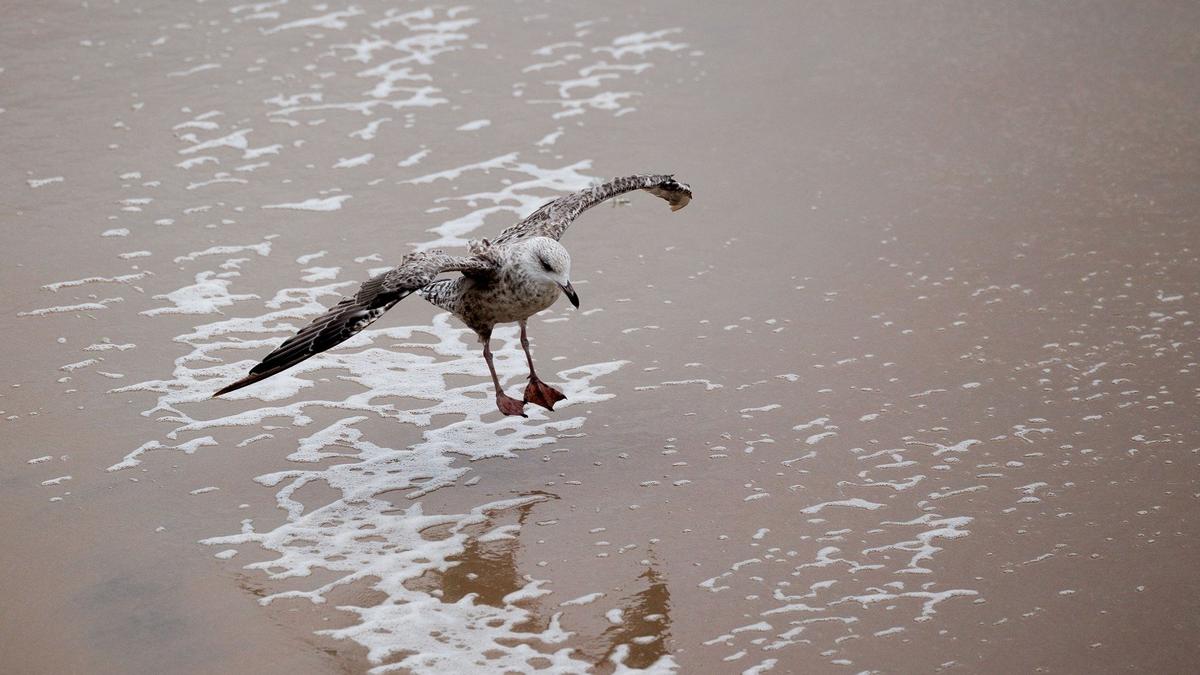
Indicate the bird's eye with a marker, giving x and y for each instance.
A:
(546, 266)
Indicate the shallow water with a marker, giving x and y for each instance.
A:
(909, 386)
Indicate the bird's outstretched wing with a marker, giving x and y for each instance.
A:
(552, 218)
(376, 296)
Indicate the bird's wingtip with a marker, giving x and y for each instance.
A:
(682, 199)
(250, 379)
(676, 194)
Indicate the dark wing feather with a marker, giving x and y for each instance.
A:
(552, 218)
(376, 296)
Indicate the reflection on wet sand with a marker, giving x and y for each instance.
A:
(635, 634)
(487, 567)
(641, 635)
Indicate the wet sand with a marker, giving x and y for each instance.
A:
(910, 386)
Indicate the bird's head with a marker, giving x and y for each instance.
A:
(547, 259)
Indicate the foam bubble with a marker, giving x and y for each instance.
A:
(313, 204)
(351, 162)
(206, 296)
(855, 503)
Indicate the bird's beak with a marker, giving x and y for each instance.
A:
(569, 290)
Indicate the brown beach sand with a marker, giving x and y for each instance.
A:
(911, 385)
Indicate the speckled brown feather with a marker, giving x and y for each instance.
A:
(351, 315)
(553, 218)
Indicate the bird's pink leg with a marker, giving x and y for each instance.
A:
(538, 392)
(507, 404)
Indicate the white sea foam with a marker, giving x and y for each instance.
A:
(314, 204)
(263, 248)
(120, 279)
(134, 458)
(351, 162)
(309, 257)
(331, 21)
(550, 138)
(65, 309)
(78, 364)
(641, 43)
(854, 503)
(193, 70)
(369, 132)
(764, 408)
(235, 139)
(207, 295)
(413, 159)
(315, 274)
(583, 599)
(518, 198)
(922, 546)
(931, 599)
(596, 75)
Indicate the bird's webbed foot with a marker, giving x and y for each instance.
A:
(510, 406)
(540, 393)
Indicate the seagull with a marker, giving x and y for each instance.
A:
(508, 279)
